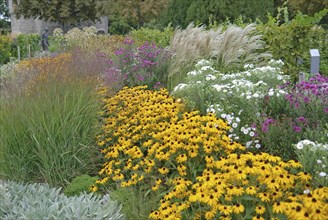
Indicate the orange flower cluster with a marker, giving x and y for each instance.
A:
(148, 139)
(36, 71)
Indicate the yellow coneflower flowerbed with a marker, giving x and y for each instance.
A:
(149, 140)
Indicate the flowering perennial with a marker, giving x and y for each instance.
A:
(133, 66)
(148, 139)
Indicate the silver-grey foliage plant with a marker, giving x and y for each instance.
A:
(39, 201)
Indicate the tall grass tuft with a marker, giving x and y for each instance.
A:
(48, 127)
(229, 48)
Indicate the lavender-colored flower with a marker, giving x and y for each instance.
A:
(301, 119)
(140, 78)
(306, 99)
(297, 128)
(119, 51)
(265, 128)
(135, 65)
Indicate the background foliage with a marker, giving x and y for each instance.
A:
(63, 12)
(293, 39)
(182, 12)
(4, 15)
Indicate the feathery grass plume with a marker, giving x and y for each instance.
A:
(229, 48)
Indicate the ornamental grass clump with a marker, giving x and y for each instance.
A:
(48, 117)
(230, 49)
(133, 66)
(151, 142)
(28, 74)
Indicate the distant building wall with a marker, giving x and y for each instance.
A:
(28, 26)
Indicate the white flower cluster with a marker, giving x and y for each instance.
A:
(250, 95)
(276, 92)
(250, 131)
(214, 108)
(223, 88)
(278, 63)
(210, 77)
(311, 145)
(242, 90)
(272, 63)
(322, 163)
(234, 122)
(180, 86)
(203, 62)
(319, 152)
(253, 143)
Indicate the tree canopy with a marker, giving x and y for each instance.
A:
(126, 14)
(308, 6)
(4, 14)
(182, 12)
(64, 12)
(135, 11)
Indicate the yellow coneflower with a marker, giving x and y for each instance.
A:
(93, 188)
(319, 214)
(251, 190)
(278, 207)
(225, 209)
(258, 217)
(210, 214)
(182, 158)
(304, 176)
(238, 208)
(260, 210)
(163, 170)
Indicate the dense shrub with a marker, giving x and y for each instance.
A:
(293, 39)
(160, 38)
(119, 26)
(78, 38)
(28, 45)
(5, 49)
